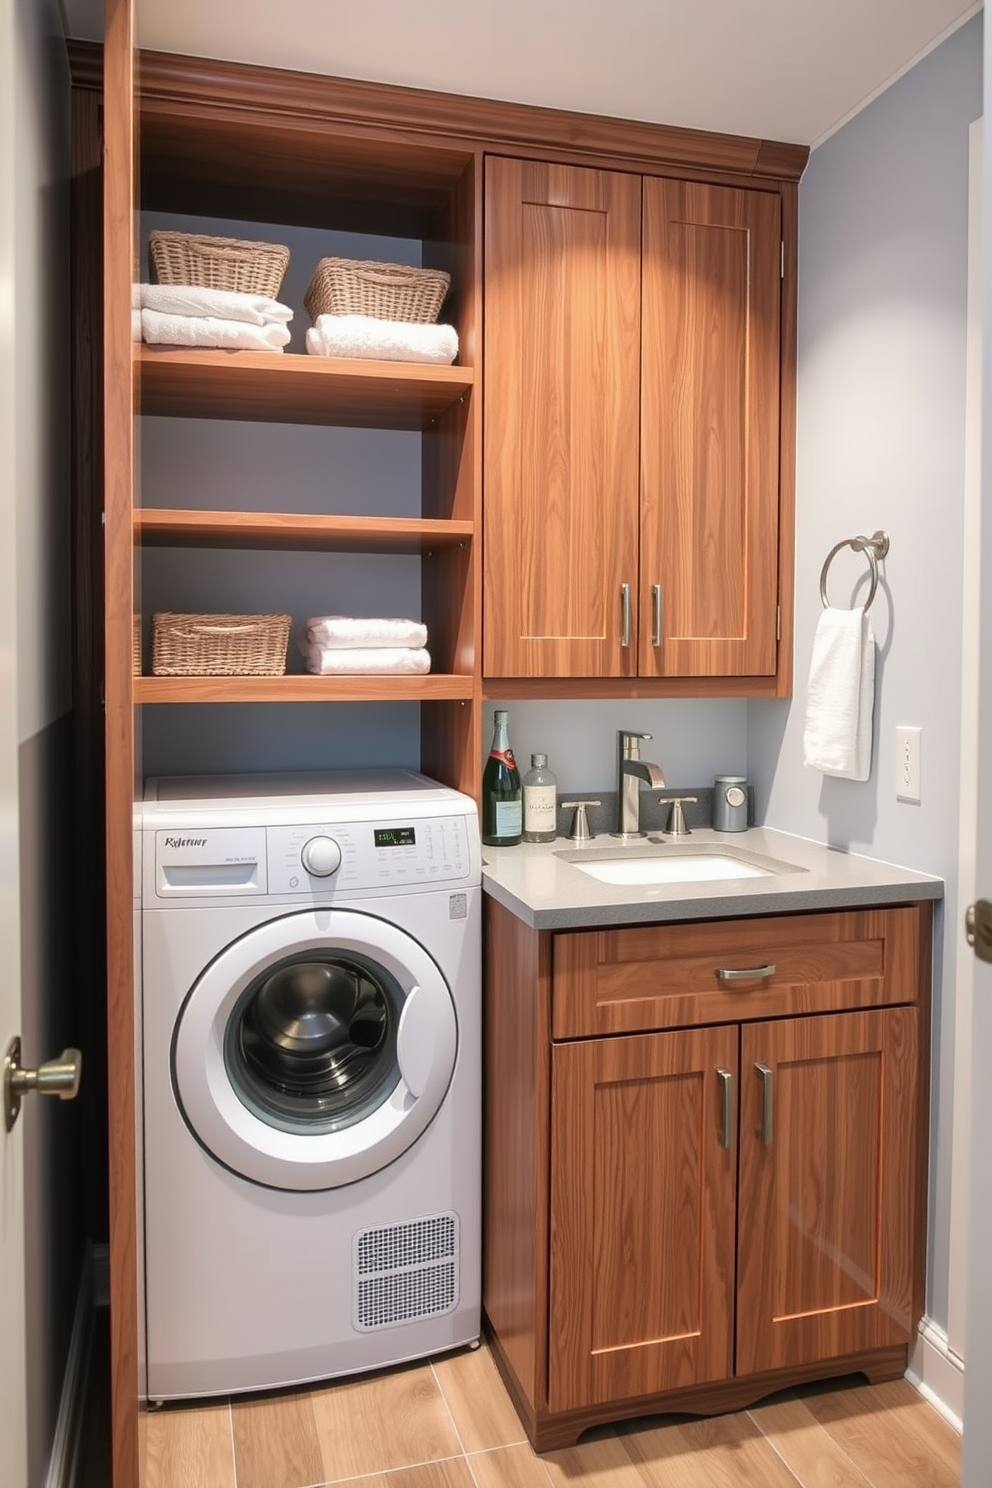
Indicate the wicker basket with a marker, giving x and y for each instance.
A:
(219, 645)
(351, 286)
(216, 263)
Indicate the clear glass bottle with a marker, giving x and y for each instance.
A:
(540, 801)
(502, 804)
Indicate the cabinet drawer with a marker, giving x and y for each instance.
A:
(719, 971)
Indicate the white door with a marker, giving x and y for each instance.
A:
(13, 1396)
(978, 1340)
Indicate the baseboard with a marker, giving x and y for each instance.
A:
(63, 1465)
(938, 1372)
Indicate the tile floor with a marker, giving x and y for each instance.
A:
(449, 1423)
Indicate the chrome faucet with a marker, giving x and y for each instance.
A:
(631, 770)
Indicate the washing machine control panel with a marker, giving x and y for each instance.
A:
(400, 853)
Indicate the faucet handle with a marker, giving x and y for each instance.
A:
(579, 830)
(677, 826)
(629, 741)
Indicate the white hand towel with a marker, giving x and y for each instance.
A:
(350, 631)
(207, 331)
(841, 695)
(223, 304)
(382, 340)
(360, 661)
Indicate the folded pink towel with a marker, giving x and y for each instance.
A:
(361, 661)
(350, 631)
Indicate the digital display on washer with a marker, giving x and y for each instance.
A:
(394, 836)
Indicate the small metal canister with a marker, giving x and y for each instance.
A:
(730, 803)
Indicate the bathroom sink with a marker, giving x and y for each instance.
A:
(671, 863)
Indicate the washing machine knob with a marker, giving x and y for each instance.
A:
(321, 857)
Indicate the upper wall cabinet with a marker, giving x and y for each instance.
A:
(635, 468)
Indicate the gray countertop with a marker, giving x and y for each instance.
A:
(537, 884)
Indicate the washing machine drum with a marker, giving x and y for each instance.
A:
(315, 1049)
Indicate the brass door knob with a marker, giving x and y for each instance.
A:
(59, 1077)
(978, 928)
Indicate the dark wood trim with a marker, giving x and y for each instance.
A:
(550, 688)
(563, 1429)
(787, 437)
(922, 1171)
(85, 64)
(190, 81)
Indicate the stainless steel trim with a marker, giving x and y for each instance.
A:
(625, 616)
(726, 1079)
(767, 1097)
(746, 973)
(874, 548)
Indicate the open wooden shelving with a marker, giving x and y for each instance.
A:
(295, 389)
(435, 686)
(178, 528)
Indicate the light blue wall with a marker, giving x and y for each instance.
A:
(883, 221)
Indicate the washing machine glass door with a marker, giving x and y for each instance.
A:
(315, 1049)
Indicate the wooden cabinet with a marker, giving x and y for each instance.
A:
(637, 457)
(828, 1154)
(643, 1189)
(563, 287)
(264, 150)
(725, 1122)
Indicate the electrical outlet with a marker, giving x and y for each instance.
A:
(908, 764)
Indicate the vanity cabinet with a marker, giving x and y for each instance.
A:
(637, 454)
(718, 1135)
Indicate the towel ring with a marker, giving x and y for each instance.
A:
(873, 547)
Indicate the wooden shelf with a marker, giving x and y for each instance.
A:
(302, 689)
(175, 528)
(293, 389)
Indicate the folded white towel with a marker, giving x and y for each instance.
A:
(208, 331)
(343, 631)
(382, 340)
(360, 661)
(197, 299)
(841, 695)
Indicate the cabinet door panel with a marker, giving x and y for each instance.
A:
(710, 428)
(642, 1216)
(827, 1194)
(561, 418)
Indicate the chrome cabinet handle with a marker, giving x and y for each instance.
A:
(746, 973)
(727, 1088)
(766, 1077)
(625, 615)
(656, 614)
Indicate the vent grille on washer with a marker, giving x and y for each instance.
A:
(405, 1271)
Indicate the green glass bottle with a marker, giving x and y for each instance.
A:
(502, 801)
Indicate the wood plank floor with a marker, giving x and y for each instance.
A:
(449, 1423)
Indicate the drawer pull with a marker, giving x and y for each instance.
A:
(727, 1088)
(746, 973)
(766, 1077)
(625, 615)
(656, 614)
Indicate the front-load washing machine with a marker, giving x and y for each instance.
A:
(310, 1035)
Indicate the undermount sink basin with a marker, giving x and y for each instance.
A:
(673, 863)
